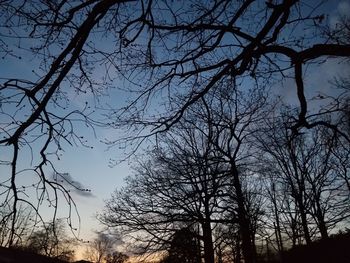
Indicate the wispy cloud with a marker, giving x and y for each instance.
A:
(66, 180)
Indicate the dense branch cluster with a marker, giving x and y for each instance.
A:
(234, 179)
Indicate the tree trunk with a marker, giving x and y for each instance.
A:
(323, 230)
(248, 250)
(208, 243)
(277, 226)
(279, 239)
(304, 222)
(237, 258)
(322, 225)
(198, 252)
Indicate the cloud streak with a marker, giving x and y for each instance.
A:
(67, 181)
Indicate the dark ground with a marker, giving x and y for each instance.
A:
(335, 249)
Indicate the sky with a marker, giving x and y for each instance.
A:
(91, 167)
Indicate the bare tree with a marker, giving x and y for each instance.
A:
(102, 249)
(176, 49)
(52, 241)
(24, 224)
(304, 185)
(182, 183)
(196, 174)
(184, 247)
(234, 120)
(116, 257)
(284, 151)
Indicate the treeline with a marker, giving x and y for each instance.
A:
(51, 242)
(48, 239)
(232, 181)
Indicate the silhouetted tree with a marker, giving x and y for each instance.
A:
(304, 186)
(103, 249)
(116, 257)
(162, 50)
(228, 243)
(52, 241)
(233, 120)
(196, 175)
(24, 223)
(184, 247)
(181, 182)
(285, 163)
